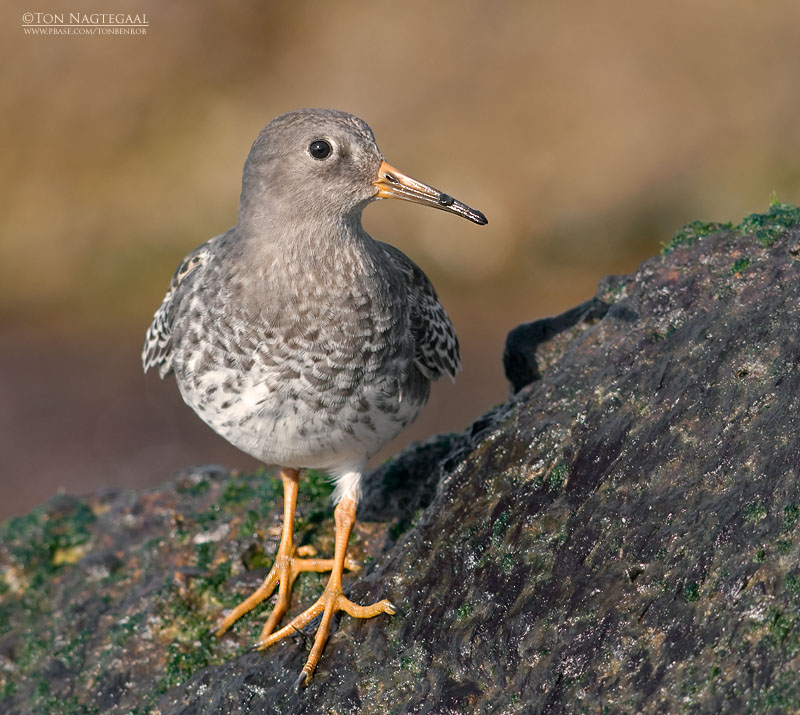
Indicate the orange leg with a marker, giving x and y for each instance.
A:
(285, 569)
(332, 598)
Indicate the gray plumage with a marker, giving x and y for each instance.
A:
(295, 335)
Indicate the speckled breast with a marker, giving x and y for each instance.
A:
(313, 392)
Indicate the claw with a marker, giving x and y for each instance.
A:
(301, 635)
(391, 609)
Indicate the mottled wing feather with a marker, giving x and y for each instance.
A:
(157, 351)
(437, 352)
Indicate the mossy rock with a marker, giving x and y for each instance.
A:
(622, 535)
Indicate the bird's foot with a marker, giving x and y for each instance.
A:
(331, 600)
(283, 573)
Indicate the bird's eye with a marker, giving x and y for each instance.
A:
(320, 149)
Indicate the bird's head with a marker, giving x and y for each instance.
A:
(325, 164)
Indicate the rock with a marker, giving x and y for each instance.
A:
(623, 534)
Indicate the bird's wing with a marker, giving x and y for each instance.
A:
(157, 351)
(436, 350)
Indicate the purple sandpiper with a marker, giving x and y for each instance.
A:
(302, 340)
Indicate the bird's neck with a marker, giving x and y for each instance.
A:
(305, 238)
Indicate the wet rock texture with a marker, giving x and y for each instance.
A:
(622, 535)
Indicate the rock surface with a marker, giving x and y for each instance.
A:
(622, 535)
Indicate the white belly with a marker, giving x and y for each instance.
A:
(272, 421)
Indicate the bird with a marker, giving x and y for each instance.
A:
(305, 342)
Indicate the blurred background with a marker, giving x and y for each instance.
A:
(587, 132)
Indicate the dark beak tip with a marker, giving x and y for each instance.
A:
(480, 219)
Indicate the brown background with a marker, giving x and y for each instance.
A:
(587, 133)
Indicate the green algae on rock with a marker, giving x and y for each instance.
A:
(106, 602)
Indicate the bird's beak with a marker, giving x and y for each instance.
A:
(391, 184)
